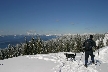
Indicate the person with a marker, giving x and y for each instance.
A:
(88, 45)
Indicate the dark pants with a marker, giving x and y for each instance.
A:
(87, 53)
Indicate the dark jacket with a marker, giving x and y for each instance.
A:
(93, 44)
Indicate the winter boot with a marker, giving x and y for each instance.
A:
(85, 65)
(93, 62)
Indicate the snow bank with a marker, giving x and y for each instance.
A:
(54, 62)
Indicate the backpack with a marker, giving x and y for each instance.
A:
(88, 45)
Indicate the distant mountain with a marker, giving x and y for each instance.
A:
(16, 39)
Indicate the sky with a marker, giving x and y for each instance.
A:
(53, 16)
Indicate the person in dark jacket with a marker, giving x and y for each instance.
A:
(88, 50)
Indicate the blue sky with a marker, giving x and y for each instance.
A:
(53, 16)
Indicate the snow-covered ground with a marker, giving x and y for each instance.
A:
(55, 62)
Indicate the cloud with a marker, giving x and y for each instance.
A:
(87, 29)
(1, 31)
(72, 23)
(31, 32)
(57, 20)
(56, 30)
(91, 27)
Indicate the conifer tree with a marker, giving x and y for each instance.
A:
(107, 42)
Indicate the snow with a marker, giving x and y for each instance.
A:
(97, 42)
(55, 62)
(105, 39)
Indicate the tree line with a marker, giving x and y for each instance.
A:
(66, 43)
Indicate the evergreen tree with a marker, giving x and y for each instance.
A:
(107, 42)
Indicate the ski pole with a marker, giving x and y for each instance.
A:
(98, 55)
(98, 58)
(80, 59)
(98, 52)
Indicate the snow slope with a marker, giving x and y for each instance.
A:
(54, 62)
